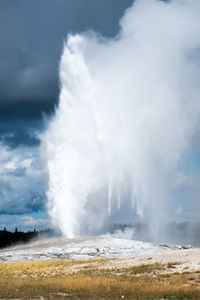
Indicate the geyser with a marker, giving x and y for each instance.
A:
(127, 115)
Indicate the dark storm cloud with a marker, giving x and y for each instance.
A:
(32, 34)
(18, 133)
(31, 41)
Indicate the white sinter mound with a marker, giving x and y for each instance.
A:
(82, 248)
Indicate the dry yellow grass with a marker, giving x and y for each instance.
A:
(49, 268)
(54, 280)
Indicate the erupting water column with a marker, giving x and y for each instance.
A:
(127, 109)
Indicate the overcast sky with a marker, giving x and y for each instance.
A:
(32, 34)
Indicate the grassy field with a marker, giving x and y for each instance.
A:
(67, 279)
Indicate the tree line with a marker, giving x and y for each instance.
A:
(8, 238)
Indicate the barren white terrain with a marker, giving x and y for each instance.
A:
(85, 248)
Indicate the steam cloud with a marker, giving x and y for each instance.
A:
(128, 113)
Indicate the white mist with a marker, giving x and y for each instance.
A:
(127, 111)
